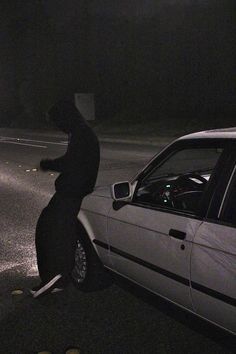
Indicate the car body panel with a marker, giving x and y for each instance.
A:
(213, 274)
(227, 133)
(160, 264)
(93, 217)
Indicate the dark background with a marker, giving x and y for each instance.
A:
(166, 60)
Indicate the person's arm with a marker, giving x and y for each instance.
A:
(57, 164)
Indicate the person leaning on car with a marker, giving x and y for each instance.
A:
(56, 228)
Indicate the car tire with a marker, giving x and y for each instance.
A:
(88, 273)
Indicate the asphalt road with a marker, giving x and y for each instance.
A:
(120, 319)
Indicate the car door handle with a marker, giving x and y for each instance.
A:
(177, 234)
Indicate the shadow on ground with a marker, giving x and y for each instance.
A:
(119, 319)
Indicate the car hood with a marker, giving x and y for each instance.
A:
(102, 191)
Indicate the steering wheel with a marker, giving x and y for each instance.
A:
(171, 196)
(189, 176)
(181, 199)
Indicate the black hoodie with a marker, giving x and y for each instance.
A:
(79, 165)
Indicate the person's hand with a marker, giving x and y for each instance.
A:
(45, 164)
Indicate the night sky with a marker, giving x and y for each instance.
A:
(169, 58)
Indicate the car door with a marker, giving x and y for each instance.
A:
(213, 261)
(151, 237)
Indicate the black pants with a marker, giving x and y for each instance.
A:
(55, 239)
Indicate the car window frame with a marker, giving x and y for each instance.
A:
(225, 198)
(167, 153)
(218, 198)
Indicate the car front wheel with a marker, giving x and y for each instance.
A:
(88, 273)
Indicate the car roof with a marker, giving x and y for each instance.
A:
(224, 133)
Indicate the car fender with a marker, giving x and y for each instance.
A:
(82, 218)
(90, 225)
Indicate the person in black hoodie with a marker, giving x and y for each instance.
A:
(56, 227)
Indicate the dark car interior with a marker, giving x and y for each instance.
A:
(182, 192)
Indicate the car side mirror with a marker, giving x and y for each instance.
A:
(121, 191)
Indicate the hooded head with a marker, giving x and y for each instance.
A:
(65, 115)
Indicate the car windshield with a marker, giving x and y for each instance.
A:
(189, 161)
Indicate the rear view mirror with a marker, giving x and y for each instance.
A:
(121, 191)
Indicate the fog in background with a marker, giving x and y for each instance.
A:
(144, 60)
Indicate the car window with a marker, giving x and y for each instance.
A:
(180, 180)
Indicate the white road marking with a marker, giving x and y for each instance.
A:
(16, 143)
(32, 140)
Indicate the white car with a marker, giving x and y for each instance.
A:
(172, 229)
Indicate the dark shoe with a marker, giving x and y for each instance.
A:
(46, 288)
